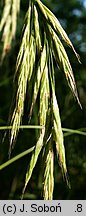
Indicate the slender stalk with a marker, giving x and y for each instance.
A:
(22, 127)
(71, 131)
(7, 163)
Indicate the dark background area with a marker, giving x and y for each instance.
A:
(72, 16)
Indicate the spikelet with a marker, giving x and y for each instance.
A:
(58, 137)
(48, 182)
(57, 133)
(56, 25)
(40, 69)
(44, 95)
(23, 71)
(64, 63)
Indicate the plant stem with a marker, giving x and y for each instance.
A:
(7, 163)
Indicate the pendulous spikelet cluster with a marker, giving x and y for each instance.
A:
(40, 45)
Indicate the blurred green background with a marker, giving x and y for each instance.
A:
(72, 16)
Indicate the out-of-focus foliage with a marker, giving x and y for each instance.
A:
(72, 15)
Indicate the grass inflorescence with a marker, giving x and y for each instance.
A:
(40, 45)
